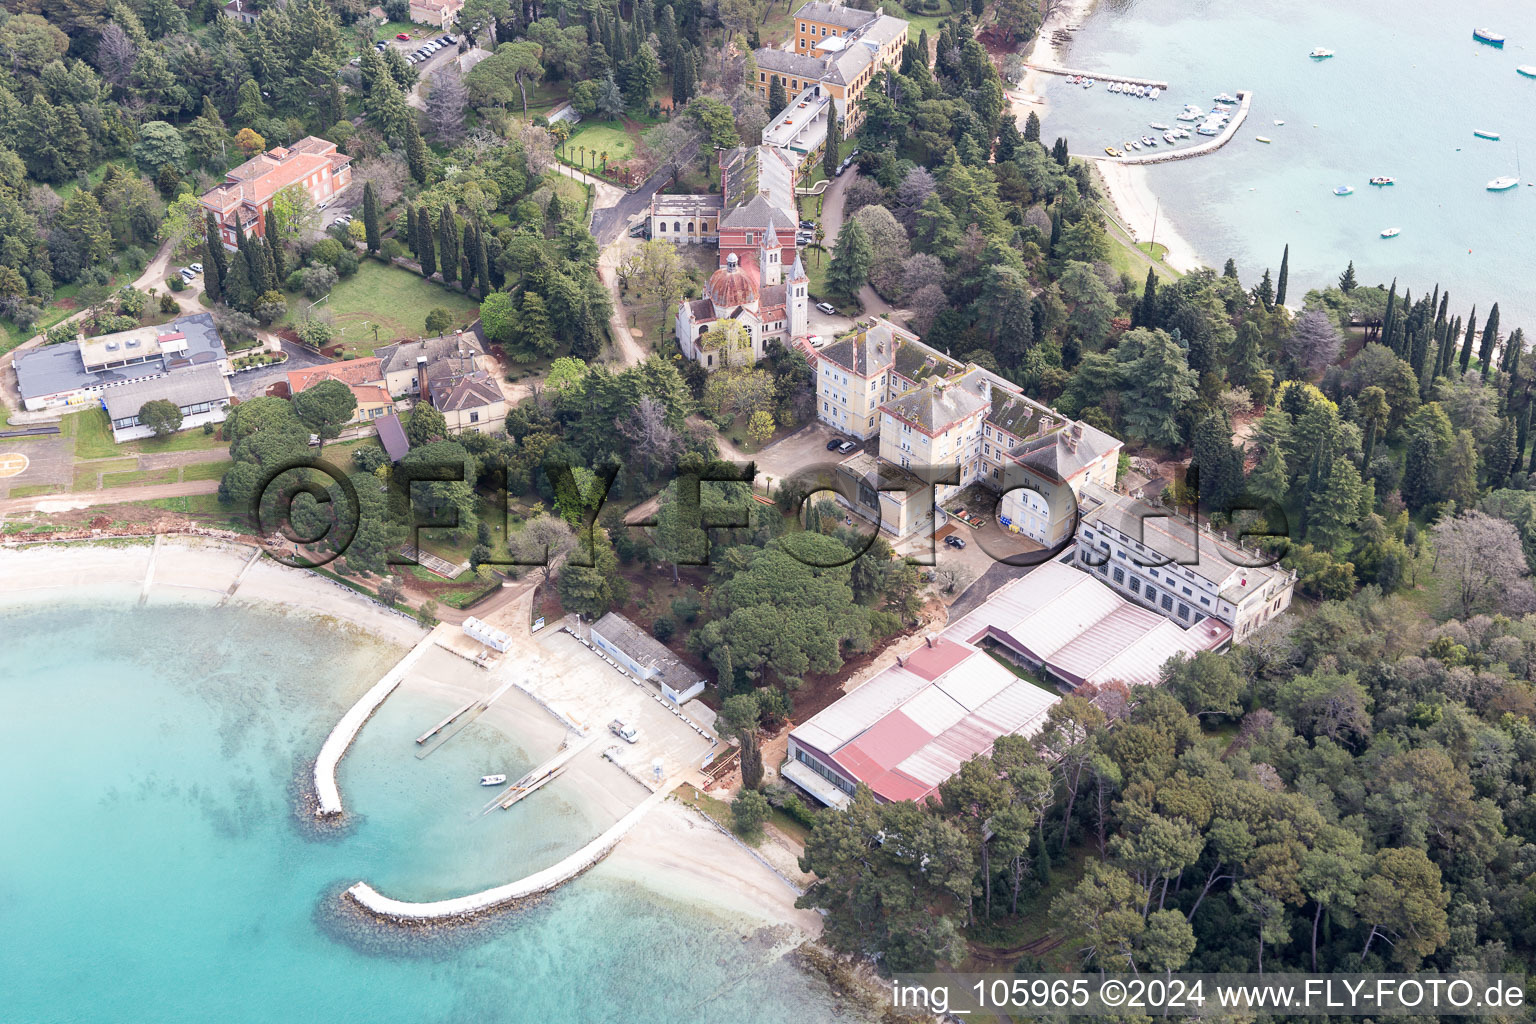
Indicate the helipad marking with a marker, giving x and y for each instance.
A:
(13, 464)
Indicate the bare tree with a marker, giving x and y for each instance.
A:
(925, 304)
(543, 541)
(387, 172)
(650, 438)
(1481, 565)
(116, 54)
(538, 149)
(665, 143)
(919, 270)
(446, 103)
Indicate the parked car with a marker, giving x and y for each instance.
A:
(807, 225)
(196, 266)
(845, 447)
(186, 274)
(355, 61)
(380, 45)
(958, 543)
(832, 444)
(827, 308)
(641, 230)
(624, 731)
(451, 38)
(844, 166)
(404, 37)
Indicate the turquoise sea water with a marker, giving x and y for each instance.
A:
(154, 869)
(1401, 98)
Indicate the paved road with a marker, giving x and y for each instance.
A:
(608, 224)
(254, 383)
(832, 223)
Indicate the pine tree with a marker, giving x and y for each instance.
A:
(1490, 336)
(1501, 455)
(1466, 346)
(1229, 269)
(1265, 292)
(1008, 141)
(1461, 471)
(1522, 437)
(1032, 127)
(1285, 274)
(1347, 282)
(371, 217)
(1421, 473)
(1269, 479)
(415, 152)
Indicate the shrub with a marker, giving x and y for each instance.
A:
(176, 284)
(168, 304)
(438, 320)
(317, 279)
(208, 429)
(391, 249)
(748, 812)
(327, 251)
(270, 306)
(346, 264)
(663, 629)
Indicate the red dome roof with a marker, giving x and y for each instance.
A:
(730, 287)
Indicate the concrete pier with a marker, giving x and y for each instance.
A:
(327, 796)
(1097, 76)
(405, 912)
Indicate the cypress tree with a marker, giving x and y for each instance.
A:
(270, 223)
(1516, 343)
(1419, 355)
(272, 256)
(1490, 336)
(1466, 346)
(1008, 141)
(426, 253)
(447, 245)
(1032, 127)
(466, 273)
(371, 217)
(238, 289)
(1500, 455)
(410, 228)
(1388, 318)
(1448, 356)
(1522, 435)
(218, 259)
(1144, 313)
(415, 152)
(482, 266)
(829, 158)
(778, 98)
(1229, 269)
(1265, 292)
(1285, 274)
(1055, 230)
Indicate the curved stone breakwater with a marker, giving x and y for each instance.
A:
(463, 908)
(327, 795)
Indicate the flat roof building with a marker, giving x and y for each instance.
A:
(76, 374)
(645, 657)
(909, 728)
(200, 392)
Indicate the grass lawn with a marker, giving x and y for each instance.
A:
(88, 475)
(93, 438)
(594, 138)
(206, 470)
(141, 477)
(394, 299)
(919, 18)
(34, 490)
(816, 264)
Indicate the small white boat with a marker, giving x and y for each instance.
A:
(1209, 128)
(1485, 134)
(1154, 92)
(1503, 184)
(1191, 113)
(1263, 138)
(1170, 138)
(1528, 70)
(1343, 190)
(1088, 84)
(1382, 181)
(1391, 232)
(1485, 35)
(1158, 127)
(492, 780)
(1224, 98)
(1320, 54)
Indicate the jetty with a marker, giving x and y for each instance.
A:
(1245, 98)
(460, 720)
(538, 777)
(1097, 76)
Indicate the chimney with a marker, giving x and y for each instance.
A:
(1074, 435)
(928, 639)
(901, 661)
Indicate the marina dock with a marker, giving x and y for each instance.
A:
(1097, 76)
(1245, 98)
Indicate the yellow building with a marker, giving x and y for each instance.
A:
(839, 48)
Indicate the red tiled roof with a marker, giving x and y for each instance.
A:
(353, 372)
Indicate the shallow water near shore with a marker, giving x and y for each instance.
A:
(155, 868)
(1401, 98)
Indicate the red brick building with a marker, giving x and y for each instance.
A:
(247, 191)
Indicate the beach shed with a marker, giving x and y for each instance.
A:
(645, 657)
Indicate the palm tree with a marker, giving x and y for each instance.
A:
(583, 155)
(605, 161)
(821, 236)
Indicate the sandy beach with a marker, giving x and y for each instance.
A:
(1137, 210)
(1065, 15)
